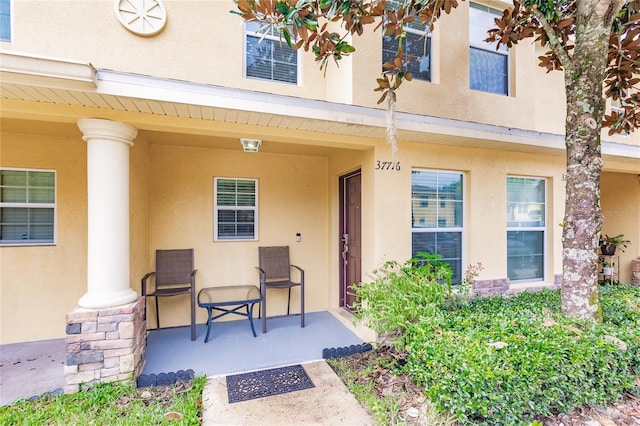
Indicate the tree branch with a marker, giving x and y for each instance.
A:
(555, 43)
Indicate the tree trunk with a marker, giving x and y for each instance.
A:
(585, 109)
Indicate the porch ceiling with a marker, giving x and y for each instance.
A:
(44, 95)
(71, 130)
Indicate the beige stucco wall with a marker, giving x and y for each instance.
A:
(485, 175)
(172, 186)
(172, 207)
(293, 198)
(202, 42)
(40, 284)
(620, 201)
(139, 210)
(448, 94)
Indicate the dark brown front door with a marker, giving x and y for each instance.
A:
(350, 231)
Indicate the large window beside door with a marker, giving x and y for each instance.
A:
(437, 206)
(27, 207)
(235, 209)
(526, 211)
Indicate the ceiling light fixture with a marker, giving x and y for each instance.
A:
(250, 145)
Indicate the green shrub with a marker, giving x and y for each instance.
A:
(540, 370)
(497, 360)
(401, 295)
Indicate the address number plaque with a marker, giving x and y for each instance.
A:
(388, 165)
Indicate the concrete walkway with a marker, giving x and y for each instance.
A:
(32, 368)
(328, 403)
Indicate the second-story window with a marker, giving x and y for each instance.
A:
(488, 67)
(268, 57)
(417, 42)
(5, 20)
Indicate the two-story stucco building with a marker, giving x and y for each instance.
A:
(118, 130)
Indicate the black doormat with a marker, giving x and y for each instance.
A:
(243, 387)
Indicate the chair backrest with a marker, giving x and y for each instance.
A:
(174, 266)
(274, 261)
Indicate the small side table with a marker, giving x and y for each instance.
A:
(220, 298)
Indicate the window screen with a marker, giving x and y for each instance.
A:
(235, 209)
(488, 68)
(526, 208)
(27, 206)
(436, 216)
(268, 57)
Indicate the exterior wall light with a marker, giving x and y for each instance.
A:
(250, 145)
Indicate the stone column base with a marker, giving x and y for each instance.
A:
(485, 288)
(504, 287)
(635, 272)
(105, 345)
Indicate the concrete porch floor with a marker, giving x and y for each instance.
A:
(32, 368)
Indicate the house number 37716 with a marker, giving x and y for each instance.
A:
(387, 165)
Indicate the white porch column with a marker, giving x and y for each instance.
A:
(108, 280)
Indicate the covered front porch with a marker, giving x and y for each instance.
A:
(34, 368)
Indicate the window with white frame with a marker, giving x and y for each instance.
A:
(267, 56)
(5, 20)
(235, 209)
(437, 226)
(27, 206)
(417, 42)
(526, 226)
(488, 67)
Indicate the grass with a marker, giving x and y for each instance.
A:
(112, 404)
(384, 408)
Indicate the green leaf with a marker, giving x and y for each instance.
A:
(310, 23)
(332, 11)
(345, 47)
(282, 8)
(287, 36)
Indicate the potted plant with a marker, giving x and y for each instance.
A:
(609, 244)
(607, 267)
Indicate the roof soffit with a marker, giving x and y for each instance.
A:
(80, 84)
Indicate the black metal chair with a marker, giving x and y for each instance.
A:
(174, 275)
(275, 272)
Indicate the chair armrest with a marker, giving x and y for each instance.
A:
(263, 275)
(143, 283)
(193, 279)
(300, 270)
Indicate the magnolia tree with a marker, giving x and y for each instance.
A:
(594, 42)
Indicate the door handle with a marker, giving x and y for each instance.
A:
(345, 247)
